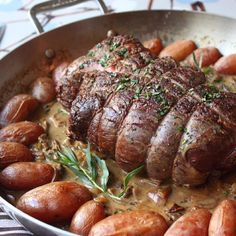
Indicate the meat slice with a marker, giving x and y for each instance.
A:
(204, 144)
(105, 125)
(103, 129)
(145, 114)
(67, 89)
(115, 54)
(164, 144)
(106, 53)
(91, 97)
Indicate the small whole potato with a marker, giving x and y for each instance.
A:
(11, 152)
(226, 65)
(154, 45)
(26, 175)
(24, 132)
(54, 202)
(43, 89)
(208, 56)
(88, 215)
(132, 223)
(179, 50)
(223, 220)
(194, 223)
(18, 108)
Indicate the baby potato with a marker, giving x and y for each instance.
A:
(194, 223)
(11, 152)
(43, 89)
(179, 50)
(54, 202)
(18, 108)
(132, 223)
(88, 215)
(208, 56)
(26, 175)
(154, 45)
(24, 132)
(223, 220)
(226, 65)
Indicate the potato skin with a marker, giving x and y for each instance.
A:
(154, 45)
(226, 65)
(26, 175)
(43, 89)
(209, 56)
(223, 220)
(18, 108)
(179, 50)
(24, 132)
(192, 223)
(87, 215)
(11, 152)
(54, 202)
(132, 223)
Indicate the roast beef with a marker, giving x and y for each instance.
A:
(142, 110)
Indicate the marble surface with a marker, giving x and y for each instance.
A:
(14, 14)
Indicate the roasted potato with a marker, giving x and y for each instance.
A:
(179, 50)
(24, 132)
(223, 220)
(88, 215)
(193, 223)
(154, 45)
(207, 56)
(26, 175)
(54, 202)
(18, 108)
(132, 223)
(226, 65)
(43, 89)
(11, 152)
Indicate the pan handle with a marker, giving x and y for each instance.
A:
(55, 5)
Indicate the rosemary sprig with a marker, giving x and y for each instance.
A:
(89, 175)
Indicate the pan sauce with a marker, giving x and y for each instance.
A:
(168, 199)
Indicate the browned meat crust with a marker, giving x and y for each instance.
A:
(145, 110)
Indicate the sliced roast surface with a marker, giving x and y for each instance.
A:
(149, 111)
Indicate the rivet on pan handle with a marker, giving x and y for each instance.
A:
(55, 5)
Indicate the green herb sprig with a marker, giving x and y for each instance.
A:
(89, 175)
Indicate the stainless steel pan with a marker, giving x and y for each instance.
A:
(77, 38)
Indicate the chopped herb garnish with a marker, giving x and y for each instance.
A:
(81, 66)
(99, 45)
(137, 92)
(122, 84)
(114, 45)
(123, 52)
(163, 111)
(146, 71)
(134, 82)
(181, 128)
(89, 174)
(63, 111)
(209, 96)
(91, 53)
(207, 70)
(104, 60)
